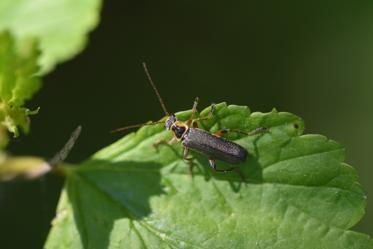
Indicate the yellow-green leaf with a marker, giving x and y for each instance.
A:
(60, 25)
(22, 167)
(18, 82)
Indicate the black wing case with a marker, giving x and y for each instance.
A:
(213, 146)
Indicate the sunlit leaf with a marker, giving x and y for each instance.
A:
(299, 192)
(60, 25)
(18, 82)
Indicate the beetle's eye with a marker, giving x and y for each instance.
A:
(170, 121)
(178, 130)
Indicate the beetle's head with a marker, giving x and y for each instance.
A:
(179, 129)
(170, 121)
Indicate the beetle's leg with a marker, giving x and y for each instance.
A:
(212, 110)
(213, 165)
(159, 142)
(239, 172)
(194, 110)
(221, 132)
(210, 115)
(189, 160)
(256, 131)
(250, 133)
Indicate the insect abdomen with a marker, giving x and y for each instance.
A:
(213, 146)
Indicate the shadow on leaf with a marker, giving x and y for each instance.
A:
(104, 194)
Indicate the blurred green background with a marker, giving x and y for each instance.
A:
(314, 59)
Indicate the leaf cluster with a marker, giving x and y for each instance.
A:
(34, 37)
(18, 82)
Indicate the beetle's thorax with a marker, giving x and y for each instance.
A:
(180, 129)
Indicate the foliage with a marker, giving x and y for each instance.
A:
(18, 82)
(34, 37)
(299, 192)
(61, 26)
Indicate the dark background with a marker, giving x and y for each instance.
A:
(314, 59)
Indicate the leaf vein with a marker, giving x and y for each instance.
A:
(299, 157)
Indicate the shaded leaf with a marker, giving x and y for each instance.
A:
(299, 192)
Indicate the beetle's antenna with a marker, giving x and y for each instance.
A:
(155, 89)
(134, 126)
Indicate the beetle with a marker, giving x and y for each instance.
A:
(214, 146)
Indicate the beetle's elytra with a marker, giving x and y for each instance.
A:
(214, 146)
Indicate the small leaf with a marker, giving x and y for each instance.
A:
(299, 192)
(18, 82)
(60, 25)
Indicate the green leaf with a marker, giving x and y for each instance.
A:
(60, 25)
(299, 192)
(18, 82)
